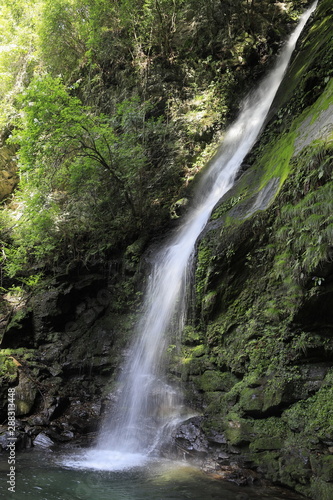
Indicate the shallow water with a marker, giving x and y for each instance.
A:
(83, 475)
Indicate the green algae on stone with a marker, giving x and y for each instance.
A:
(212, 380)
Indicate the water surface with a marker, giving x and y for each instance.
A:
(75, 475)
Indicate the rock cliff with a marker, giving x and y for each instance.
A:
(257, 356)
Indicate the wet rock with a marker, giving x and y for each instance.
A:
(242, 496)
(67, 436)
(232, 473)
(22, 440)
(4, 440)
(83, 418)
(37, 420)
(216, 437)
(43, 441)
(310, 130)
(209, 465)
(189, 437)
(234, 450)
(59, 406)
(55, 369)
(259, 201)
(18, 332)
(57, 435)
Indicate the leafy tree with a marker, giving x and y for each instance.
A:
(63, 32)
(92, 176)
(87, 180)
(17, 51)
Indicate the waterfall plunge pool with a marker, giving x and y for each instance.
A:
(87, 474)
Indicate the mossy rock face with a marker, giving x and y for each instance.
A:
(320, 489)
(267, 443)
(238, 431)
(295, 468)
(267, 463)
(25, 395)
(191, 336)
(256, 356)
(194, 366)
(264, 279)
(212, 380)
(8, 378)
(252, 401)
(323, 466)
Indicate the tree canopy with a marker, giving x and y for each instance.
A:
(113, 107)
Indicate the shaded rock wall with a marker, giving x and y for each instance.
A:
(60, 349)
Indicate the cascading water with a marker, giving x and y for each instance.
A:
(144, 396)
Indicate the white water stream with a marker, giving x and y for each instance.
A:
(146, 403)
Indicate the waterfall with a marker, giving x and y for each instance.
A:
(146, 402)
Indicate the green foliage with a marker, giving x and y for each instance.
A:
(263, 289)
(307, 232)
(203, 261)
(17, 52)
(8, 369)
(93, 177)
(63, 32)
(224, 207)
(314, 414)
(86, 178)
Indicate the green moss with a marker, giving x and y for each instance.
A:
(315, 414)
(212, 380)
(226, 206)
(275, 162)
(198, 351)
(208, 302)
(238, 431)
(8, 369)
(322, 466)
(307, 232)
(192, 361)
(191, 335)
(255, 278)
(319, 489)
(270, 426)
(312, 65)
(203, 260)
(9, 359)
(267, 443)
(295, 468)
(268, 463)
